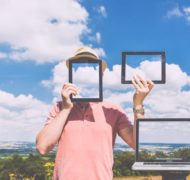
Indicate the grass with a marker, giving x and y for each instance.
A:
(139, 178)
(142, 178)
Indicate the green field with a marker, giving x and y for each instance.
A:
(38, 167)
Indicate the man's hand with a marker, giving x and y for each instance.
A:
(143, 87)
(66, 92)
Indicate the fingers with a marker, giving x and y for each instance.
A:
(142, 80)
(69, 85)
(69, 89)
(139, 82)
(150, 84)
(135, 84)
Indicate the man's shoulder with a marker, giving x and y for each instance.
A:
(112, 109)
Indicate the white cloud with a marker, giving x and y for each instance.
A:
(100, 52)
(21, 117)
(111, 79)
(102, 11)
(44, 31)
(96, 38)
(187, 13)
(165, 132)
(2, 55)
(175, 12)
(179, 12)
(187, 10)
(166, 100)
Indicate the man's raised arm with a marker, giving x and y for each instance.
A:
(50, 133)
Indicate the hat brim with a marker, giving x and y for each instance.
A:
(104, 65)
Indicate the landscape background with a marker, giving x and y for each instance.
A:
(20, 160)
(36, 37)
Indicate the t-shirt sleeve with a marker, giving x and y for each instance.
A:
(53, 113)
(123, 120)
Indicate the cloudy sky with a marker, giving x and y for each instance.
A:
(36, 37)
(164, 132)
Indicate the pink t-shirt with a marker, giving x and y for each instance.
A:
(85, 148)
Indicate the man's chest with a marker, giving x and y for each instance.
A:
(90, 124)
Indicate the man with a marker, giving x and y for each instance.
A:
(86, 132)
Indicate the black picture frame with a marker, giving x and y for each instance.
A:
(163, 65)
(86, 60)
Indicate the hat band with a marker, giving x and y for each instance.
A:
(86, 53)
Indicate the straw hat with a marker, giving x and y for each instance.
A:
(86, 52)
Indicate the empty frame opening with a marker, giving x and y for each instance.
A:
(149, 65)
(87, 76)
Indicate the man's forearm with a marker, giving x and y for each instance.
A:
(50, 134)
(136, 116)
(143, 88)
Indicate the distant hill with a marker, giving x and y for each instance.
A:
(23, 147)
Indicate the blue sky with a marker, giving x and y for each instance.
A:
(36, 38)
(143, 25)
(127, 25)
